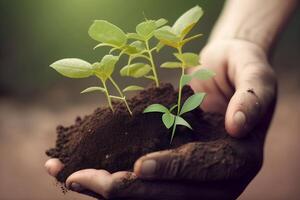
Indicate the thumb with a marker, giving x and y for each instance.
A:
(255, 90)
(159, 165)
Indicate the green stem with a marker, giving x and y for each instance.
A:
(173, 131)
(107, 96)
(180, 83)
(121, 94)
(152, 63)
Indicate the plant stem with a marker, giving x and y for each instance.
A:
(180, 83)
(152, 63)
(107, 96)
(173, 131)
(121, 94)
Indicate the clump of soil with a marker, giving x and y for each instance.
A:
(104, 140)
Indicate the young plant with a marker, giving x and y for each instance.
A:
(77, 68)
(112, 36)
(176, 37)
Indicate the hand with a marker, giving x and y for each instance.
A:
(244, 87)
(244, 83)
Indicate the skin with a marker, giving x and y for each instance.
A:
(244, 89)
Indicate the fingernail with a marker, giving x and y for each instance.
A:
(239, 119)
(76, 187)
(148, 168)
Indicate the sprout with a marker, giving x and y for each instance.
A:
(175, 37)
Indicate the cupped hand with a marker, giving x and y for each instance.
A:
(244, 86)
(244, 89)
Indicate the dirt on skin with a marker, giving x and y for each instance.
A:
(104, 140)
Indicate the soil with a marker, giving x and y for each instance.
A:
(104, 140)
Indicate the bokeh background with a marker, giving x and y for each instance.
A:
(34, 98)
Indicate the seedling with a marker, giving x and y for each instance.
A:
(137, 45)
(77, 68)
(112, 36)
(176, 37)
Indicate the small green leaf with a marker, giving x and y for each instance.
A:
(156, 108)
(132, 88)
(160, 22)
(104, 45)
(107, 65)
(203, 74)
(145, 29)
(167, 37)
(168, 119)
(192, 102)
(105, 32)
(187, 21)
(188, 59)
(185, 79)
(151, 77)
(180, 121)
(134, 36)
(171, 65)
(92, 89)
(73, 68)
(135, 70)
(134, 48)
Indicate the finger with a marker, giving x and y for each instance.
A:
(125, 185)
(255, 89)
(177, 190)
(98, 181)
(53, 166)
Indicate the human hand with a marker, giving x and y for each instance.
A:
(244, 87)
(211, 170)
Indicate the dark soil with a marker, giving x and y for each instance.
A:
(104, 140)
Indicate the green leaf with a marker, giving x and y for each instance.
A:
(132, 88)
(171, 65)
(73, 68)
(135, 70)
(187, 21)
(167, 37)
(180, 121)
(146, 29)
(134, 36)
(192, 102)
(106, 67)
(151, 77)
(188, 59)
(92, 89)
(203, 74)
(135, 47)
(156, 108)
(186, 79)
(104, 45)
(160, 22)
(168, 119)
(105, 32)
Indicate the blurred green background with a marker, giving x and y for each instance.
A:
(34, 98)
(36, 33)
